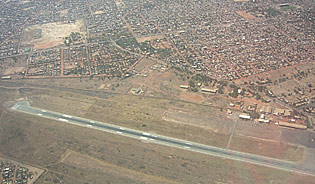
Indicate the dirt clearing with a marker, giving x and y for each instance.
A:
(245, 15)
(143, 39)
(193, 97)
(90, 163)
(50, 35)
(196, 119)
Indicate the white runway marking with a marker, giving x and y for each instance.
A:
(61, 119)
(67, 116)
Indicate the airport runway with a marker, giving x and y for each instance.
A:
(24, 107)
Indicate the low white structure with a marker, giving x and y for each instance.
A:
(244, 116)
(209, 90)
(6, 77)
(184, 86)
(264, 121)
(262, 116)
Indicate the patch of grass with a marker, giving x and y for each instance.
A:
(288, 7)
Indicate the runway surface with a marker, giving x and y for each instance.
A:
(24, 107)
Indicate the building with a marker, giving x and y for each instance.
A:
(292, 125)
(184, 86)
(287, 113)
(282, 112)
(266, 109)
(6, 78)
(264, 121)
(209, 90)
(244, 116)
(262, 116)
(229, 112)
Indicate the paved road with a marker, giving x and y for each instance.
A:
(24, 107)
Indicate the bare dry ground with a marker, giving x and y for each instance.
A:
(98, 12)
(119, 3)
(184, 95)
(46, 143)
(89, 163)
(143, 39)
(207, 121)
(12, 66)
(268, 148)
(52, 35)
(245, 15)
(64, 12)
(13, 70)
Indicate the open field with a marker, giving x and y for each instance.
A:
(215, 124)
(64, 12)
(47, 143)
(11, 66)
(13, 70)
(143, 39)
(119, 3)
(267, 148)
(288, 8)
(245, 15)
(191, 96)
(52, 34)
(91, 164)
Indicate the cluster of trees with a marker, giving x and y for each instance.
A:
(234, 92)
(223, 84)
(74, 36)
(202, 78)
(128, 42)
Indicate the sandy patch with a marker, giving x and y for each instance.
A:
(63, 12)
(90, 163)
(25, 2)
(143, 39)
(215, 124)
(98, 12)
(13, 70)
(119, 3)
(52, 34)
(164, 45)
(192, 97)
(245, 15)
(102, 86)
